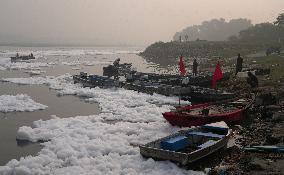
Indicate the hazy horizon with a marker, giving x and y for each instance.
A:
(119, 22)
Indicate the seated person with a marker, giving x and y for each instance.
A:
(205, 111)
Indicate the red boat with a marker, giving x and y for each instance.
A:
(231, 112)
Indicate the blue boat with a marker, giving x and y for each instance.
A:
(187, 146)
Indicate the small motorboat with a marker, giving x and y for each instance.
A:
(190, 145)
(230, 111)
(18, 58)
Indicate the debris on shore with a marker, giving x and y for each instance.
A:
(263, 127)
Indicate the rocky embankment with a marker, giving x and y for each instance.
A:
(264, 126)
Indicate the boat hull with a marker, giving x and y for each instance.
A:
(154, 151)
(180, 117)
(184, 120)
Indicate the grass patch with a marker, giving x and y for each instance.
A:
(274, 62)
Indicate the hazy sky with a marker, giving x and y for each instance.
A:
(136, 22)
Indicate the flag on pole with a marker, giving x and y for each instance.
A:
(181, 66)
(218, 74)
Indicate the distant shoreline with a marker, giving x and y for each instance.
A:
(62, 45)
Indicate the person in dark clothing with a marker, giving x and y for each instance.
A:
(116, 68)
(252, 80)
(239, 65)
(116, 62)
(194, 67)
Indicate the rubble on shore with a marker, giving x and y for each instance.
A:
(263, 126)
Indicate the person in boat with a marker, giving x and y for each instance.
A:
(17, 55)
(252, 80)
(239, 65)
(32, 55)
(205, 111)
(194, 67)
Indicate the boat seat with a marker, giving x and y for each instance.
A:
(175, 143)
(206, 134)
(207, 144)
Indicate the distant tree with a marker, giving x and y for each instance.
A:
(214, 30)
(233, 38)
(279, 20)
(264, 32)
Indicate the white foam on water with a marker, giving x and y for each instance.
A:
(41, 52)
(5, 63)
(19, 102)
(72, 63)
(98, 144)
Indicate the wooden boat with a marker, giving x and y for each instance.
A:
(202, 94)
(158, 88)
(265, 149)
(22, 58)
(199, 80)
(191, 93)
(187, 146)
(121, 70)
(95, 81)
(230, 111)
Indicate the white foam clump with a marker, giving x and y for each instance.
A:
(2, 68)
(92, 63)
(19, 102)
(3, 62)
(72, 63)
(34, 72)
(111, 100)
(52, 81)
(76, 68)
(221, 124)
(88, 145)
(99, 144)
(86, 63)
(118, 101)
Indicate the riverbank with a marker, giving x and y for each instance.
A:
(264, 123)
(167, 53)
(264, 126)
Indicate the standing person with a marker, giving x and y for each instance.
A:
(116, 62)
(194, 67)
(181, 66)
(116, 68)
(252, 80)
(239, 65)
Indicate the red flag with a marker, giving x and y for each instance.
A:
(181, 66)
(218, 74)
